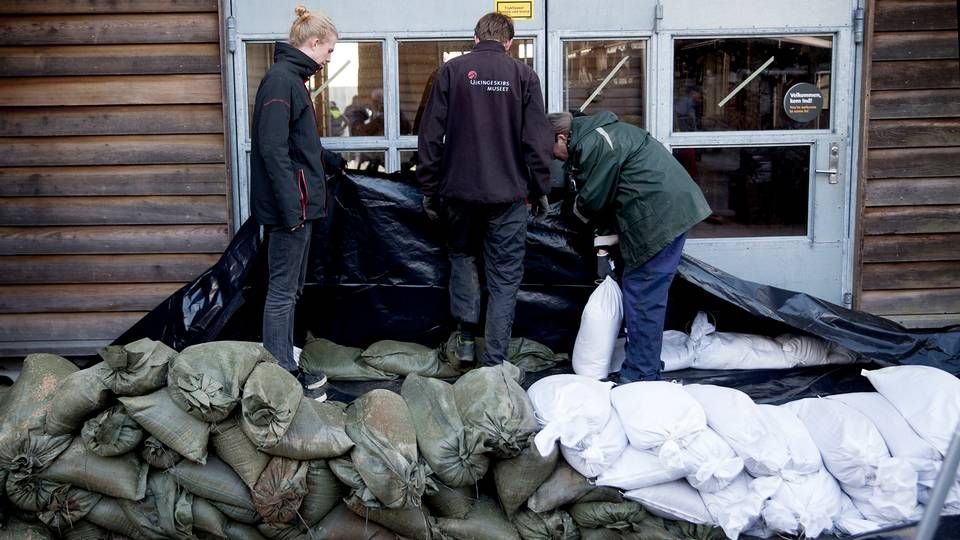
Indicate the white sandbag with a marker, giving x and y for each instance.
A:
(813, 351)
(728, 350)
(597, 453)
(619, 355)
(673, 500)
(710, 463)
(934, 412)
(654, 413)
(783, 424)
(737, 507)
(637, 469)
(855, 454)
(735, 417)
(851, 521)
(677, 351)
(806, 506)
(599, 327)
(569, 409)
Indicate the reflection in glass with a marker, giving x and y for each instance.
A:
(588, 63)
(708, 71)
(408, 160)
(753, 191)
(366, 160)
(347, 93)
(419, 62)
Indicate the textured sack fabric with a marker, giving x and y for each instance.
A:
(271, 397)
(410, 523)
(158, 455)
(84, 530)
(279, 492)
(136, 368)
(620, 516)
(111, 433)
(637, 469)
(407, 358)
(597, 453)
(173, 506)
(455, 455)
(519, 477)
(236, 450)
(324, 492)
(710, 463)
(170, 424)
(729, 350)
(317, 432)
(20, 530)
(131, 521)
(806, 505)
(29, 492)
(656, 413)
(339, 363)
(485, 522)
(673, 500)
(570, 409)
(450, 502)
(342, 524)
(79, 396)
(492, 402)
(783, 424)
(206, 379)
(736, 508)
(214, 481)
(556, 525)
(599, 325)
(124, 477)
(237, 513)
(563, 486)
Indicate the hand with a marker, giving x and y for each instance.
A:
(541, 208)
(431, 208)
(604, 264)
(296, 227)
(339, 162)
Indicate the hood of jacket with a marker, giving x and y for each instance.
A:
(303, 65)
(582, 125)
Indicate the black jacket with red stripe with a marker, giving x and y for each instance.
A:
(484, 135)
(287, 160)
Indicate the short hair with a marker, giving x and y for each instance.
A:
(561, 121)
(311, 24)
(495, 26)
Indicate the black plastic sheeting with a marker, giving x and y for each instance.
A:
(379, 271)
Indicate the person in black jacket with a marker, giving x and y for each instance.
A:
(288, 165)
(484, 146)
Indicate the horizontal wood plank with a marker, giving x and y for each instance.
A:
(60, 61)
(914, 75)
(913, 302)
(913, 162)
(905, 248)
(67, 347)
(110, 90)
(916, 275)
(948, 321)
(104, 150)
(915, 15)
(117, 120)
(108, 29)
(891, 104)
(914, 133)
(912, 191)
(113, 239)
(64, 326)
(83, 298)
(49, 269)
(65, 211)
(915, 45)
(203, 179)
(56, 7)
(911, 219)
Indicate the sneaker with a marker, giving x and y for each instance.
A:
(313, 385)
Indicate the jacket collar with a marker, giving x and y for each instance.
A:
(489, 45)
(582, 125)
(302, 65)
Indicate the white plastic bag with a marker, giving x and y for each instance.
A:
(851, 521)
(673, 500)
(677, 351)
(598, 452)
(737, 507)
(928, 399)
(728, 350)
(783, 424)
(708, 460)
(654, 413)
(637, 469)
(806, 505)
(599, 327)
(569, 408)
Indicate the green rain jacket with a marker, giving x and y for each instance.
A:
(622, 170)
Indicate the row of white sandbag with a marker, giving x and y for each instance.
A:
(598, 352)
(643, 435)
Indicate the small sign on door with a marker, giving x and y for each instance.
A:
(518, 10)
(803, 102)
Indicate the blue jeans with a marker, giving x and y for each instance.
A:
(645, 292)
(287, 256)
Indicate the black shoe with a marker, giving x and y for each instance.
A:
(465, 350)
(313, 385)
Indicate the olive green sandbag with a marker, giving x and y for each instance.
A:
(317, 432)
(338, 363)
(206, 379)
(485, 522)
(133, 519)
(602, 494)
(123, 477)
(556, 525)
(173, 505)
(410, 523)
(67, 506)
(563, 486)
(84, 530)
(346, 472)
(385, 455)
(342, 524)
(519, 477)
(161, 417)
(28, 491)
(136, 368)
(492, 402)
(158, 455)
(236, 450)
(279, 492)
(214, 481)
(236, 513)
(456, 456)
(111, 433)
(209, 521)
(285, 531)
(407, 358)
(631, 517)
(81, 395)
(21, 530)
(527, 354)
(271, 397)
(450, 502)
(324, 492)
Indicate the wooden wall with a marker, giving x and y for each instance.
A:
(113, 183)
(910, 174)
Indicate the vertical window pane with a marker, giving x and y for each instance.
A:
(588, 63)
(419, 62)
(347, 94)
(708, 74)
(753, 191)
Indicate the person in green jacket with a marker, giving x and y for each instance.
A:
(631, 185)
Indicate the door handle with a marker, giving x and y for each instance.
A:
(834, 163)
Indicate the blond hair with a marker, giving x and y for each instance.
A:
(309, 25)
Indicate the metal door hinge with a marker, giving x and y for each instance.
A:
(232, 34)
(657, 16)
(858, 25)
(847, 299)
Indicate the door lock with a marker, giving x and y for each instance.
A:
(834, 163)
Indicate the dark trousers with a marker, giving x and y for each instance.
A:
(499, 231)
(645, 292)
(287, 256)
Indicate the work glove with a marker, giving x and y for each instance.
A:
(541, 207)
(431, 207)
(605, 266)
